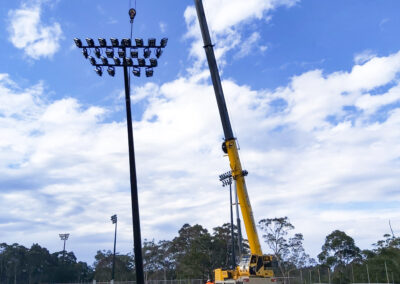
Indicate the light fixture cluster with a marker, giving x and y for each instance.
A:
(122, 53)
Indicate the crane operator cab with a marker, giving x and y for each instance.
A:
(257, 269)
(256, 265)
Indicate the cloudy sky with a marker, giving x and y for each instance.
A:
(313, 92)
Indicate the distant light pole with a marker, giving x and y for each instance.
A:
(114, 221)
(238, 225)
(226, 179)
(127, 56)
(64, 237)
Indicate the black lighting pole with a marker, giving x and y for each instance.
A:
(226, 179)
(127, 60)
(114, 221)
(64, 237)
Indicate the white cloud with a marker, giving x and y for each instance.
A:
(364, 56)
(308, 157)
(248, 45)
(225, 18)
(27, 31)
(300, 164)
(163, 27)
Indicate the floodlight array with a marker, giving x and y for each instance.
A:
(123, 52)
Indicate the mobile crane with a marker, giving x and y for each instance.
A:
(257, 267)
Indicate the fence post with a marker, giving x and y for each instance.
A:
(301, 276)
(387, 276)
(329, 275)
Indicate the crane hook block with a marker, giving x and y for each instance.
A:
(224, 149)
(132, 13)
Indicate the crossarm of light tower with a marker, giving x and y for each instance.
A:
(122, 53)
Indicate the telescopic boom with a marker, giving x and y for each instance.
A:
(229, 146)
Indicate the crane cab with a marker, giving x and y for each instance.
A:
(255, 269)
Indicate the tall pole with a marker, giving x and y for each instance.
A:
(238, 225)
(232, 232)
(369, 281)
(114, 220)
(127, 60)
(137, 239)
(64, 237)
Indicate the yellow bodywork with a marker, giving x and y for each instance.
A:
(257, 265)
(245, 206)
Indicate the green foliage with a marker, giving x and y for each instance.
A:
(36, 265)
(124, 266)
(288, 251)
(338, 249)
(195, 253)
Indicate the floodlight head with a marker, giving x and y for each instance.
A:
(78, 42)
(114, 42)
(114, 219)
(164, 42)
(128, 61)
(85, 52)
(117, 61)
(139, 42)
(126, 42)
(102, 42)
(111, 72)
(134, 52)
(152, 42)
(97, 52)
(121, 52)
(92, 60)
(159, 51)
(90, 42)
(104, 60)
(132, 13)
(149, 72)
(153, 62)
(142, 62)
(110, 52)
(146, 52)
(136, 71)
(98, 70)
(64, 237)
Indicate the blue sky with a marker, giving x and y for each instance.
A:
(312, 88)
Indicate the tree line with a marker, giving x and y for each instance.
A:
(195, 252)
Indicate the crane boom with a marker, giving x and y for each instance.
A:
(230, 143)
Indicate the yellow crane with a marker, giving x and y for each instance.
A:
(256, 267)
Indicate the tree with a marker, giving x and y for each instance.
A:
(157, 260)
(288, 251)
(192, 252)
(124, 266)
(338, 251)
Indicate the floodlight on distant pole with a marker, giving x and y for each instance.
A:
(114, 221)
(64, 237)
(226, 179)
(127, 56)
